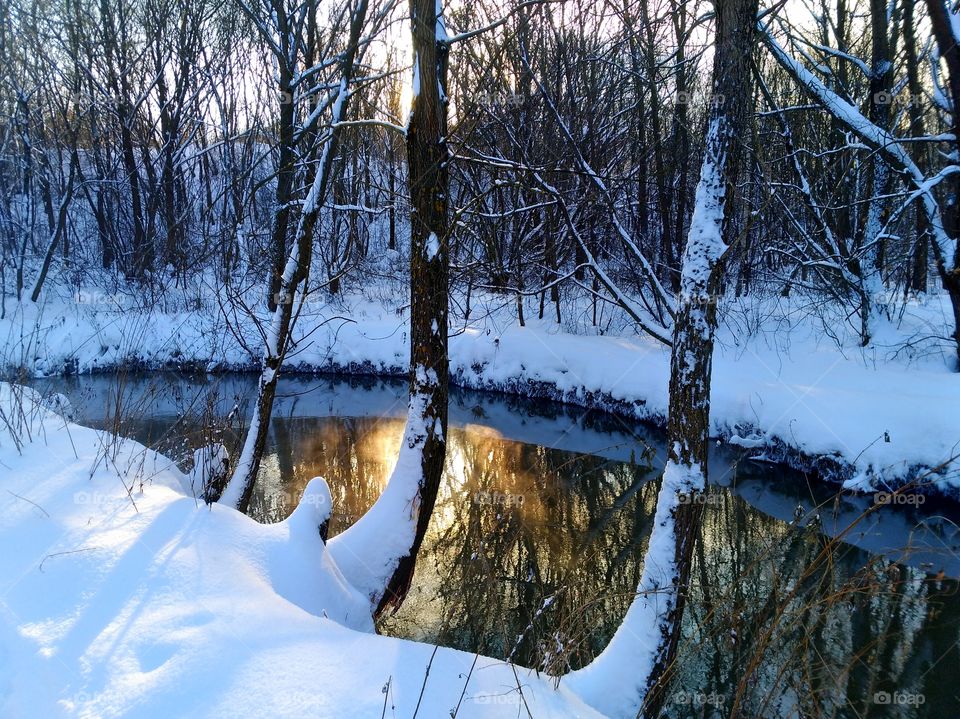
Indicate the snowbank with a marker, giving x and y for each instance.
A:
(869, 418)
(120, 595)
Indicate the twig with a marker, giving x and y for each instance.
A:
(60, 554)
(520, 689)
(456, 710)
(29, 502)
(386, 696)
(425, 676)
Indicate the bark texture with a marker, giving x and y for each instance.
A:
(691, 357)
(427, 157)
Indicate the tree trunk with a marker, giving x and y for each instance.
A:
(427, 156)
(284, 190)
(918, 276)
(377, 555)
(59, 231)
(949, 46)
(881, 87)
(646, 643)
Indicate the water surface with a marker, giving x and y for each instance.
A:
(537, 542)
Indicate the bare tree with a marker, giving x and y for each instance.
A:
(297, 268)
(386, 540)
(634, 670)
(943, 220)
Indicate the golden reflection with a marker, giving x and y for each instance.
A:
(482, 430)
(533, 554)
(515, 525)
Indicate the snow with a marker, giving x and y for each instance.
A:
(415, 84)
(210, 463)
(781, 381)
(441, 27)
(954, 22)
(432, 247)
(127, 597)
(615, 682)
(148, 596)
(705, 243)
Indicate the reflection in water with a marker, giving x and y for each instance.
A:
(523, 537)
(784, 622)
(534, 552)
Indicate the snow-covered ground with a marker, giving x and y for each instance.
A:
(125, 596)
(787, 385)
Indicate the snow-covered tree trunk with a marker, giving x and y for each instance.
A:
(632, 673)
(881, 92)
(239, 488)
(378, 554)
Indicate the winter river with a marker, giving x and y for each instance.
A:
(803, 601)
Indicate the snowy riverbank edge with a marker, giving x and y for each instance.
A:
(126, 597)
(847, 417)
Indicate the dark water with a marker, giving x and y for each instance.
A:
(537, 542)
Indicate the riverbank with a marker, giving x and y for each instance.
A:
(872, 418)
(127, 597)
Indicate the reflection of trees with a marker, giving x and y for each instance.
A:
(779, 620)
(786, 623)
(571, 543)
(489, 562)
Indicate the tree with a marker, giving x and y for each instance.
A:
(297, 268)
(942, 218)
(634, 670)
(380, 551)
